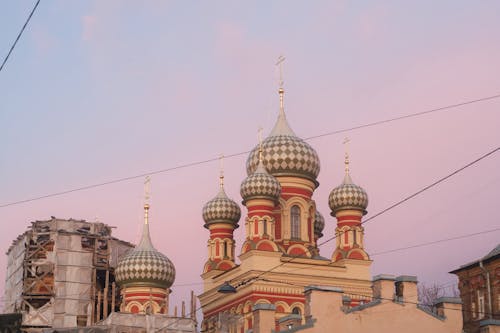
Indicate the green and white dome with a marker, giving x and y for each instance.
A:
(221, 209)
(285, 154)
(319, 224)
(144, 266)
(260, 184)
(348, 196)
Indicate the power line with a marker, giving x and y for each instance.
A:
(19, 35)
(435, 242)
(188, 165)
(423, 189)
(373, 254)
(292, 258)
(380, 122)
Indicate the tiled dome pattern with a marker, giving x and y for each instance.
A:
(319, 224)
(142, 267)
(260, 184)
(221, 208)
(286, 155)
(348, 196)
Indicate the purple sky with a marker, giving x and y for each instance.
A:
(99, 90)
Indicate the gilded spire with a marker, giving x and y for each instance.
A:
(347, 177)
(145, 242)
(281, 127)
(281, 91)
(260, 143)
(221, 176)
(147, 195)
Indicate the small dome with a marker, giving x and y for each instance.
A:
(285, 154)
(348, 196)
(221, 209)
(319, 224)
(260, 184)
(144, 266)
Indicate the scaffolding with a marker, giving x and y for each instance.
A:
(60, 273)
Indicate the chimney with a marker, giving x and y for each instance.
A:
(264, 318)
(383, 287)
(406, 289)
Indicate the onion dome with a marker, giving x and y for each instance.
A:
(144, 266)
(221, 209)
(260, 184)
(348, 196)
(285, 154)
(319, 224)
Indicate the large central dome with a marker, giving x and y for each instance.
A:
(285, 154)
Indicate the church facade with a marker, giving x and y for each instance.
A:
(280, 254)
(281, 281)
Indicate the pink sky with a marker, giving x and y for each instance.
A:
(104, 90)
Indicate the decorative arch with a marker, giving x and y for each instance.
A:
(357, 254)
(247, 246)
(282, 307)
(225, 265)
(298, 250)
(298, 306)
(262, 301)
(266, 245)
(247, 307)
(133, 307)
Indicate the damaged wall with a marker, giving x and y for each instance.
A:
(61, 274)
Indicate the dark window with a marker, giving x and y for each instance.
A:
(295, 222)
(296, 311)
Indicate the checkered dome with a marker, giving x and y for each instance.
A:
(260, 184)
(348, 196)
(286, 155)
(221, 209)
(319, 224)
(145, 267)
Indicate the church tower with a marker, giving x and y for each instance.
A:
(295, 164)
(145, 275)
(348, 203)
(260, 192)
(280, 255)
(221, 216)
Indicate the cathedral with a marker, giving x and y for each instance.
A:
(280, 254)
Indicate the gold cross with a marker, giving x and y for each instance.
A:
(147, 188)
(279, 63)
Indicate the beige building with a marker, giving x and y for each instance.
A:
(388, 311)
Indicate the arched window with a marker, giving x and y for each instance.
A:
(295, 222)
(264, 223)
(225, 249)
(296, 310)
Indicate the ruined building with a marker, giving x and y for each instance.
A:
(70, 276)
(61, 273)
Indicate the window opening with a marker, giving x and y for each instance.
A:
(295, 222)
